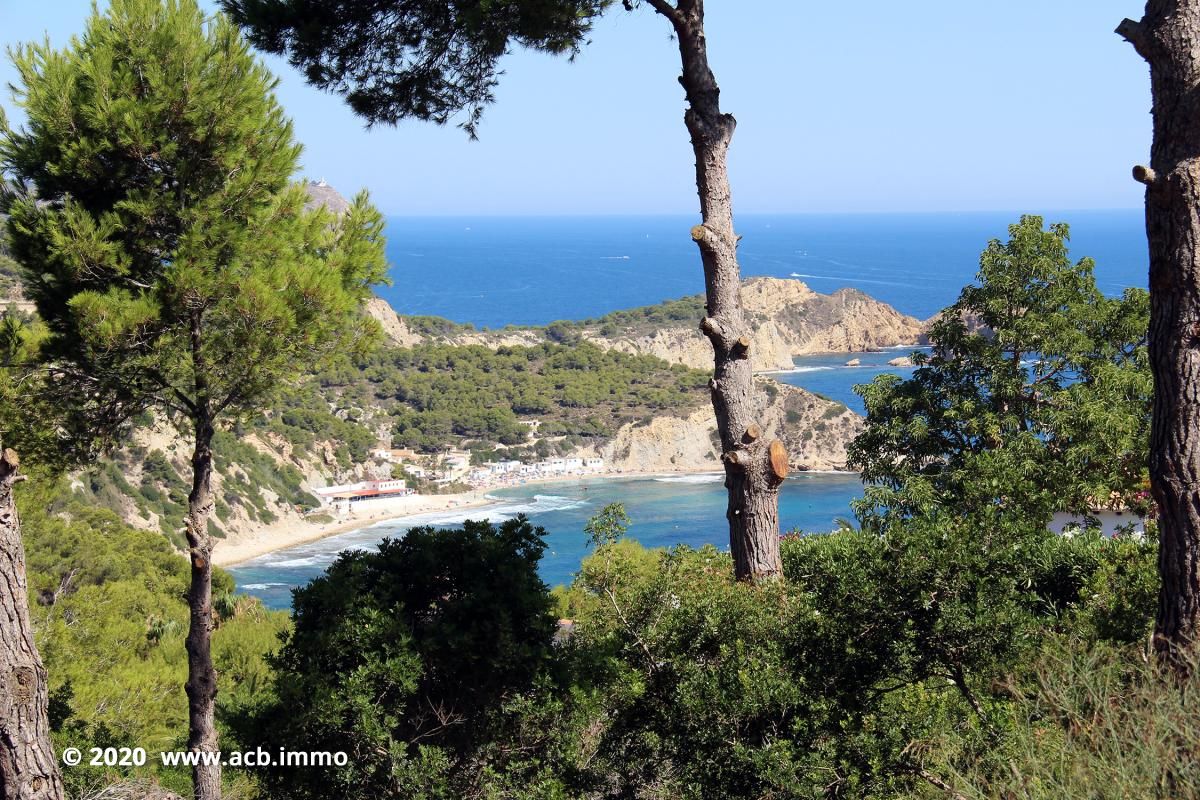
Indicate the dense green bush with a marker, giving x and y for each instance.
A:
(410, 659)
(109, 609)
(879, 666)
(835, 680)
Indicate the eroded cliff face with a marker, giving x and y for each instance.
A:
(786, 317)
(815, 430)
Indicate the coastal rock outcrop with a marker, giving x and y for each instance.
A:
(787, 319)
(816, 432)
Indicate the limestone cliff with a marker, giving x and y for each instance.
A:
(815, 430)
(786, 317)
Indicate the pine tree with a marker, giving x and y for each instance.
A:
(1168, 38)
(170, 254)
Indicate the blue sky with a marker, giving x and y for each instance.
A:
(942, 105)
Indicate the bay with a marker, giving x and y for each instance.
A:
(497, 271)
(664, 510)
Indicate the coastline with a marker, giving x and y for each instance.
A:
(289, 533)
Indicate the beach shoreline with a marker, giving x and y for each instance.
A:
(290, 533)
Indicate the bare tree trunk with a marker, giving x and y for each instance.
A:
(202, 677)
(1168, 37)
(754, 468)
(28, 769)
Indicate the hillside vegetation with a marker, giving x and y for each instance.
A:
(445, 394)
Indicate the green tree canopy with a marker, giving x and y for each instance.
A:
(164, 244)
(404, 658)
(171, 256)
(418, 59)
(1035, 397)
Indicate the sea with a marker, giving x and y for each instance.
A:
(497, 271)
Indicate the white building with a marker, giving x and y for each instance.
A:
(363, 490)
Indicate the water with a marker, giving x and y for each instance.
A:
(495, 271)
(529, 271)
(828, 374)
(666, 510)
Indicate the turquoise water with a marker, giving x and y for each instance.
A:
(828, 375)
(665, 510)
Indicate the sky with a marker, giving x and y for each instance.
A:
(942, 105)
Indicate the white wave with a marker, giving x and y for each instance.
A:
(796, 369)
(306, 561)
(708, 477)
(504, 509)
(258, 587)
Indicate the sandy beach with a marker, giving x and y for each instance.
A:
(288, 533)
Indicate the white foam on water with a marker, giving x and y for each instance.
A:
(502, 510)
(708, 477)
(306, 561)
(258, 587)
(796, 369)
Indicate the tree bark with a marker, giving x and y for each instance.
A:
(754, 467)
(1168, 37)
(202, 677)
(28, 769)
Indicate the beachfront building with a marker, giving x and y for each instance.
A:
(593, 464)
(552, 466)
(363, 490)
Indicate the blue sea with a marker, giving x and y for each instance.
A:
(495, 271)
(663, 511)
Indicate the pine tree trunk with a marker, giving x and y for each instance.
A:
(202, 678)
(1168, 37)
(28, 769)
(754, 467)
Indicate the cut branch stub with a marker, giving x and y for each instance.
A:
(1143, 174)
(741, 348)
(9, 461)
(1133, 33)
(730, 457)
(779, 459)
(752, 433)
